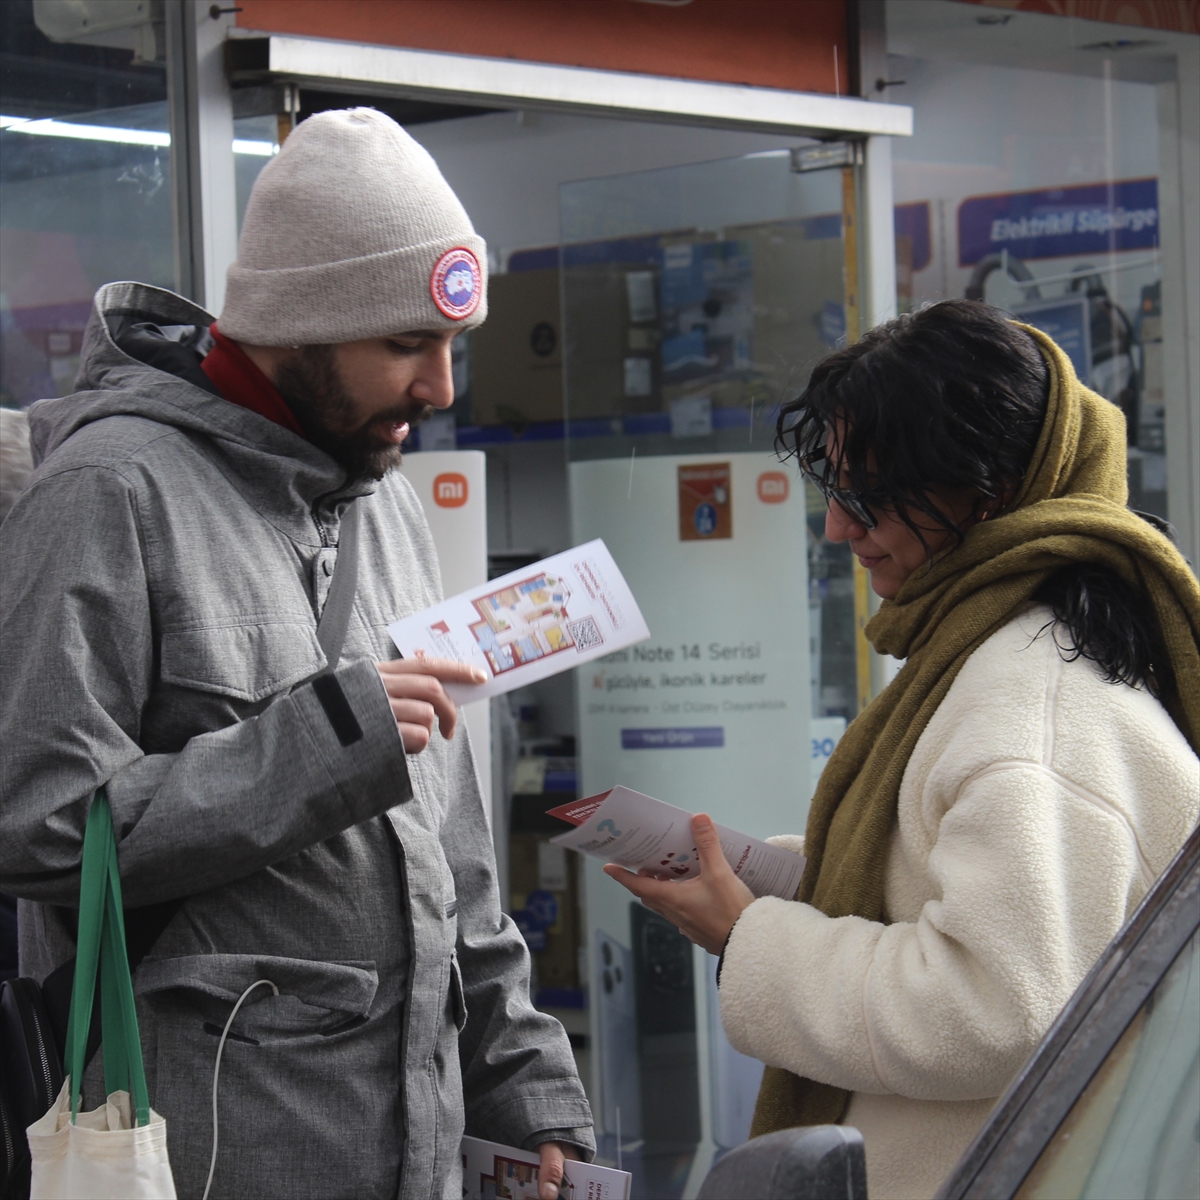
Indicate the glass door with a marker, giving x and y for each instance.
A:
(693, 300)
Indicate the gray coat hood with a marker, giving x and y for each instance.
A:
(278, 471)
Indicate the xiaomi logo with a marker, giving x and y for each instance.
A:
(773, 487)
(450, 490)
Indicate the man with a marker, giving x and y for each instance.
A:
(165, 571)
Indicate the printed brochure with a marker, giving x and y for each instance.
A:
(495, 1172)
(637, 831)
(529, 624)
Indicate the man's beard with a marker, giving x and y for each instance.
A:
(313, 388)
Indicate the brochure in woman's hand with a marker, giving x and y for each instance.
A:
(639, 832)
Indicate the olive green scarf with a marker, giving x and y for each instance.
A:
(1071, 509)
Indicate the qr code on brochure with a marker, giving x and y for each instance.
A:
(585, 634)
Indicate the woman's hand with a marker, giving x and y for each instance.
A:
(414, 687)
(705, 908)
(550, 1173)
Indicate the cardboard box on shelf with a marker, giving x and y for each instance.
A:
(544, 881)
(798, 281)
(789, 304)
(516, 354)
(612, 330)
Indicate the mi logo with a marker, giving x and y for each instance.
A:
(773, 487)
(450, 490)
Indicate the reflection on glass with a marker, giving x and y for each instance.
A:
(255, 140)
(85, 193)
(1041, 196)
(693, 299)
(1135, 1129)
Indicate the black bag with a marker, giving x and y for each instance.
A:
(33, 1017)
(33, 1075)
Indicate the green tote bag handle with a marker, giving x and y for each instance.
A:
(101, 951)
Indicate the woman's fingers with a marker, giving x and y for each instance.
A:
(705, 908)
(708, 846)
(635, 883)
(659, 894)
(428, 693)
(688, 905)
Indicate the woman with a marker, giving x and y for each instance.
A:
(987, 825)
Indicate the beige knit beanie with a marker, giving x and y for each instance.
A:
(351, 232)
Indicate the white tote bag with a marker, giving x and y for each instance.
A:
(102, 1155)
(118, 1152)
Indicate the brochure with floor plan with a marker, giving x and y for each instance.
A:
(641, 833)
(495, 1172)
(548, 617)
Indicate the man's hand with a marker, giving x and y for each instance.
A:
(550, 1172)
(414, 686)
(705, 908)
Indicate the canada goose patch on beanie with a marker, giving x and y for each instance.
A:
(455, 282)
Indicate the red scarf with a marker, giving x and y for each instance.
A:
(239, 380)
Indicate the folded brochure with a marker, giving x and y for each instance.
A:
(637, 831)
(492, 1170)
(529, 624)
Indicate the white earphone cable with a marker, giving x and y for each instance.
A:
(212, 1166)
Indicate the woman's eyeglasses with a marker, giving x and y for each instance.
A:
(853, 503)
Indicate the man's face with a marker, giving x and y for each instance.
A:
(357, 401)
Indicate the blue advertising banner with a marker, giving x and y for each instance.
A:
(912, 221)
(672, 739)
(1094, 218)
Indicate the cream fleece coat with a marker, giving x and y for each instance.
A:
(1037, 809)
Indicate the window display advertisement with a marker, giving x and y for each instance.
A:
(711, 714)
(707, 713)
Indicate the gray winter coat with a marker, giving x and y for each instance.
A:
(163, 576)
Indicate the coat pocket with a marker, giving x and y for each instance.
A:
(247, 661)
(296, 1067)
(314, 997)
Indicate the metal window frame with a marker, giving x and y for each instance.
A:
(203, 183)
(505, 83)
(1031, 1111)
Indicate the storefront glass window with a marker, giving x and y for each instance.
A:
(85, 189)
(1033, 181)
(255, 141)
(693, 299)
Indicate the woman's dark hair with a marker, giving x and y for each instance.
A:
(955, 396)
(1100, 617)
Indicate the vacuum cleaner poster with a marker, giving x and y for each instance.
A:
(1094, 218)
